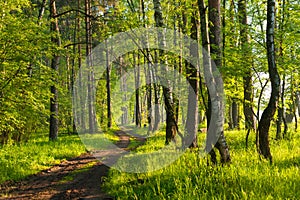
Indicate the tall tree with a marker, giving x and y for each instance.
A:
(280, 58)
(192, 73)
(55, 39)
(246, 64)
(171, 124)
(137, 91)
(215, 112)
(108, 89)
(90, 85)
(265, 121)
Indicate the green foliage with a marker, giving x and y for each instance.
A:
(24, 82)
(247, 177)
(19, 161)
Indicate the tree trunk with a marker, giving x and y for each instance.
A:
(298, 102)
(42, 11)
(215, 41)
(123, 86)
(171, 125)
(235, 114)
(280, 116)
(192, 72)
(215, 111)
(265, 121)
(55, 39)
(108, 101)
(247, 78)
(137, 92)
(156, 94)
(90, 85)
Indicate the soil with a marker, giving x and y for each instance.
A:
(53, 183)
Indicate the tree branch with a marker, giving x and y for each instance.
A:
(74, 10)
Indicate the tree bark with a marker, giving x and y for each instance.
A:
(171, 125)
(55, 39)
(247, 77)
(156, 94)
(234, 114)
(298, 102)
(265, 121)
(215, 44)
(90, 85)
(42, 11)
(215, 111)
(108, 101)
(192, 72)
(137, 92)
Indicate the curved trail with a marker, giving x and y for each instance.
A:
(55, 183)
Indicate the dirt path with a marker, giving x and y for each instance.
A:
(78, 178)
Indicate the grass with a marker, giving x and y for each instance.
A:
(21, 160)
(189, 177)
(99, 141)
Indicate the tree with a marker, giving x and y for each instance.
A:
(246, 64)
(192, 73)
(215, 112)
(265, 121)
(24, 77)
(171, 124)
(55, 39)
(91, 86)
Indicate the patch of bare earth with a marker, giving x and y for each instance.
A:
(50, 184)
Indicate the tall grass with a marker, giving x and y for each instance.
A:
(21, 160)
(189, 177)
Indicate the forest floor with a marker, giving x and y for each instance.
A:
(78, 178)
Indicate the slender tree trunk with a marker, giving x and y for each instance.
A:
(148, 71)
(293, 106)
(264, 123)
(192, 71)
(55, 39)
(123, 86)
(156, 93)
(235, 114)
(42, 11)
(280, 115)
(215, 41)
(137, 92)
(108, 101)
(215, 111)
(171, 125)
(90, 85)
(247, 78)
(298, 102)
(82, 122)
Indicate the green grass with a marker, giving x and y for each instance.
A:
(99, 140)
(21, 160)
(189, 177)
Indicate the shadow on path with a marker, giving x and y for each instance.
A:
(71, 179)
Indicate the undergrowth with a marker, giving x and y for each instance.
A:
(20, 160)
(189, 177)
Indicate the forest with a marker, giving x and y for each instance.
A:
(159, 99)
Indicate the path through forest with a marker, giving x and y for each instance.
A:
(78, 178)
